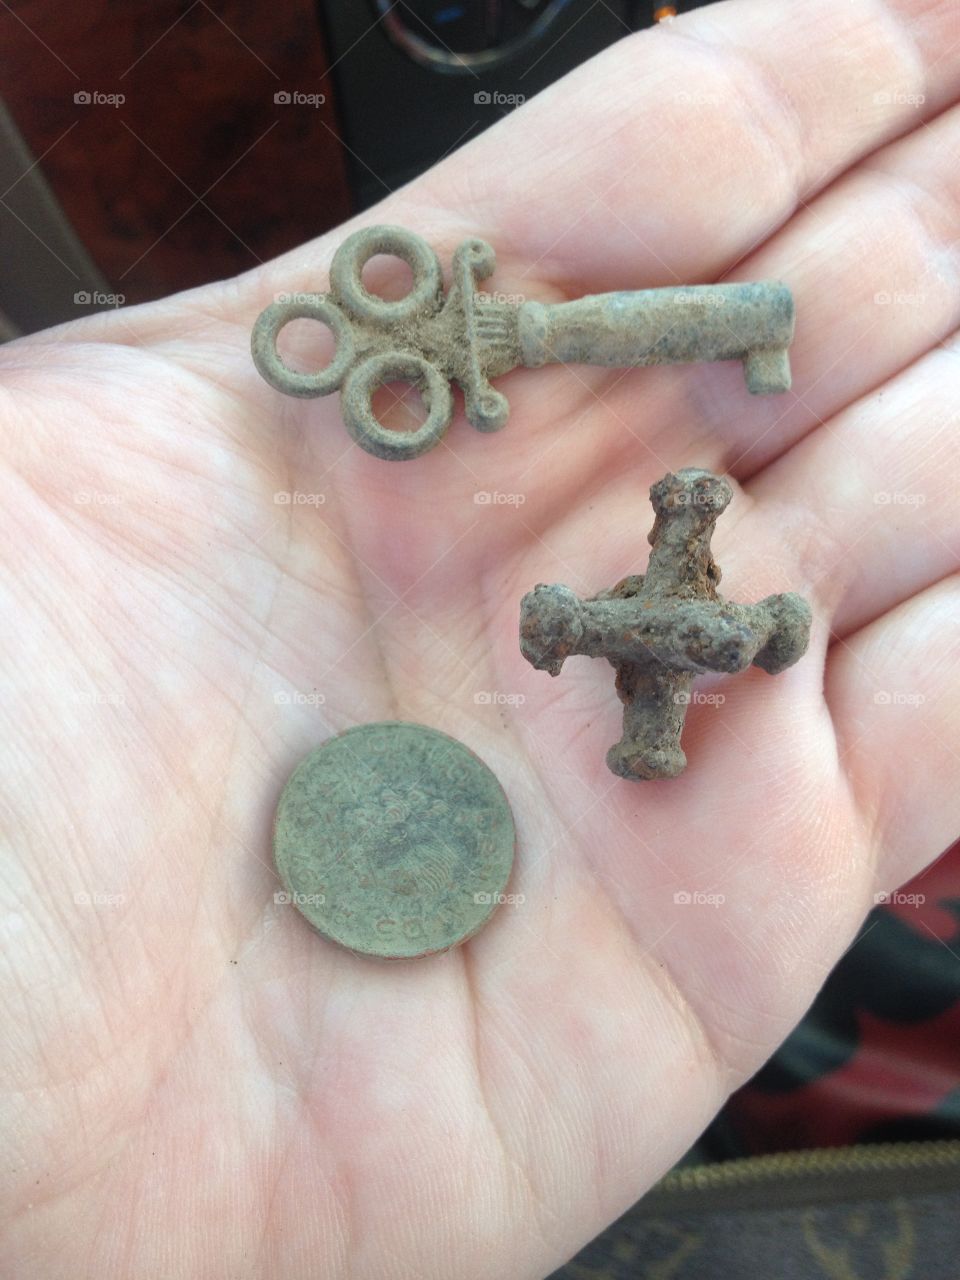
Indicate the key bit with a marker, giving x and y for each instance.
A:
(432, 341)
(661, 629)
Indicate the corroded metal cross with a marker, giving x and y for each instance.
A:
(432, 341)
(661, 629)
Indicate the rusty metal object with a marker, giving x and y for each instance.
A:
(661, 629)
(431, 340)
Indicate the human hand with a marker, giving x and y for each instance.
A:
(198, 1085)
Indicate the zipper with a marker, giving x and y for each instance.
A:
(843, 1173)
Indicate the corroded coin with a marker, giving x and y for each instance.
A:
(394, 840)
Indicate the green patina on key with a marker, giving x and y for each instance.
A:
(432, 340)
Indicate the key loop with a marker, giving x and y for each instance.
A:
(356, 403)
(270, 363)
(348, 298)
(357, 250)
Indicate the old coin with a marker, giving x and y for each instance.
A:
(394, 840)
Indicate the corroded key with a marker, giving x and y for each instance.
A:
(431, 341)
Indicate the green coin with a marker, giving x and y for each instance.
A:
(394, 840)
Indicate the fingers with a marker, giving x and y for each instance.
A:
(875, 269)
(894, 689)
(869, 505)
(614, 179)
(874, 264)
(674, 152)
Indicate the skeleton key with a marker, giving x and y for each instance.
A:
(432, 341)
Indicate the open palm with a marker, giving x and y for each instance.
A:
(197, 1085)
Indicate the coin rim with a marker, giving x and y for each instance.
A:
(366, 728)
